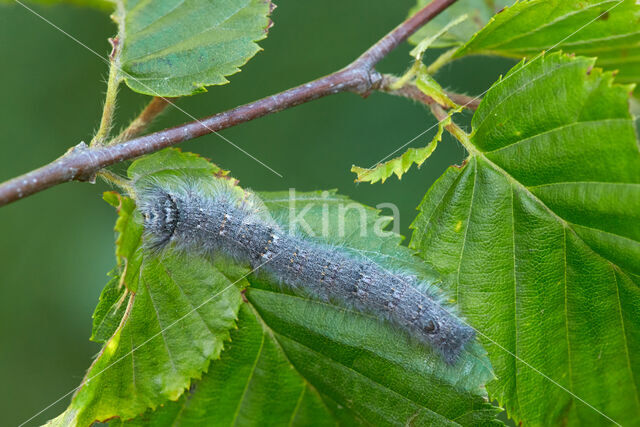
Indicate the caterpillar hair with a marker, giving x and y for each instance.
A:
(209, 219)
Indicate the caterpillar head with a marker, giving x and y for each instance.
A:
(160, 214)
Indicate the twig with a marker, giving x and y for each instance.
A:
(82, 163)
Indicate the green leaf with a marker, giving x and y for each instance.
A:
(479, 12)
(324, 363)
(162, 319)
(171, 163)
(401, 164)
(129, 229)
(607, 29)
(539, 238)
(110, 309)
(105, 5)
(174, 48)
(251, 384)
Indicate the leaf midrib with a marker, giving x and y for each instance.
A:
(464, 239)
(624, 334)
(249, 379)
(297, 407)
(162, 329)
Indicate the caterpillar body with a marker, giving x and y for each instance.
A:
(216, 220)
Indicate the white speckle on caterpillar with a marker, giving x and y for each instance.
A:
(208, 219)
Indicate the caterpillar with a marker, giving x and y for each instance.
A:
(208, 218)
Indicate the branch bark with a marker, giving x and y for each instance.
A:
(81, 163)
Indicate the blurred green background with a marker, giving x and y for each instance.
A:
(56, 247)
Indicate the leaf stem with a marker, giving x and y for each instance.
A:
(397, 86)
(153, 109)
(453, 129)
(109, 109)
(441, 60)
(82, 163)
(116, 180)
(470, 102)
(394, 86)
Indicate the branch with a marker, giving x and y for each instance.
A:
(81, 163)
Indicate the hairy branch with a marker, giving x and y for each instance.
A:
(411, 91)
(81, 163)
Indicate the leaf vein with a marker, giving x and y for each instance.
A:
(556, 129)
(249, 379)
(162, 330)
(624, 334)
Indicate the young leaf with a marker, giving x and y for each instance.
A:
(295, 360)
(539, 236)
(172, 48)
(479, 11)
(171, 163)
(129, 238)
(607, 29)
(401, 164)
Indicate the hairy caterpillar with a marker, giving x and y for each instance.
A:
(208, 218)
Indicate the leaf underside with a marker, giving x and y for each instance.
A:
(539, 238)
(401, 164)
